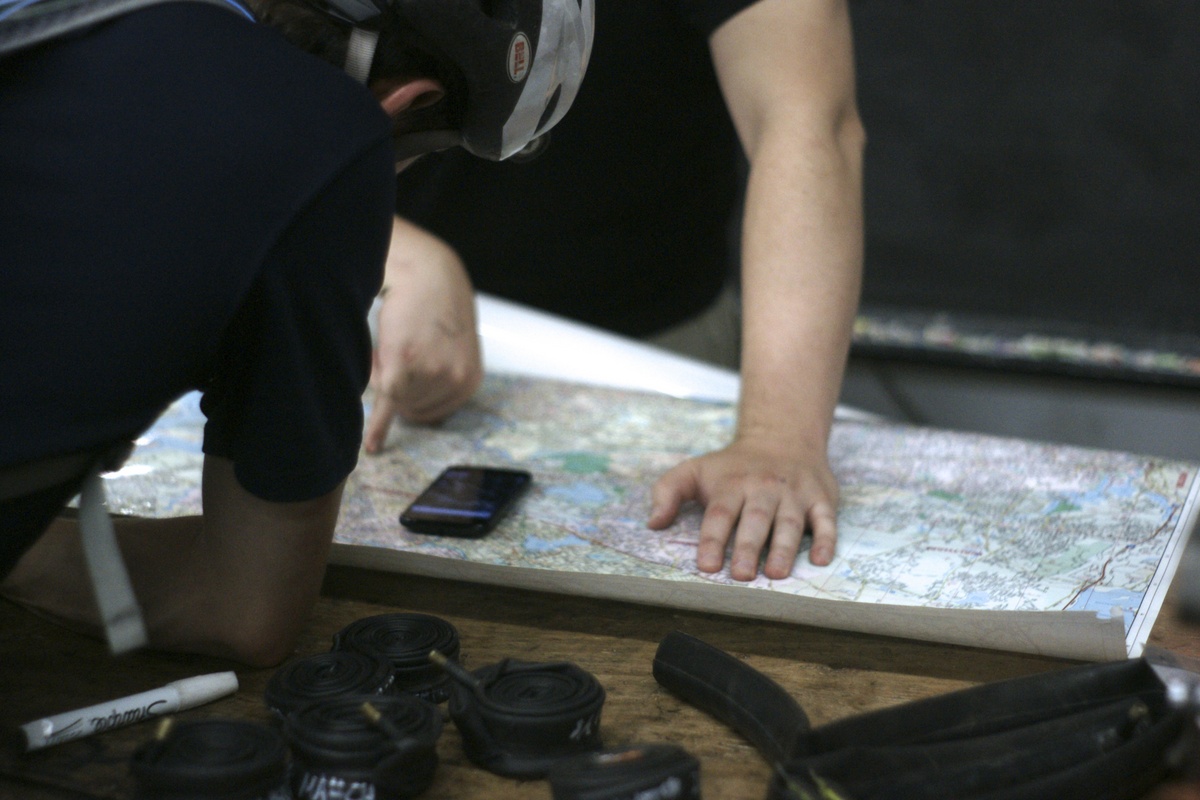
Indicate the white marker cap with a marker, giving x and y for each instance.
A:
(204, 688)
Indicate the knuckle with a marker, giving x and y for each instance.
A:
(713, 541)
(823, 514)
(720, 514)
(748, 546)
(789, 520)
(758, 515)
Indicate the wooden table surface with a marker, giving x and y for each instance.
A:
(45, 670)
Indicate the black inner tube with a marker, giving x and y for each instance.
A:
(339, 748)
(406, 639)
(228, 759)
(659, 771)
(524, 717)
(323, 675)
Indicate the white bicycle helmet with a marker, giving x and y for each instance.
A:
(522, 60)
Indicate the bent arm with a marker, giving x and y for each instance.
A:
(237, 583)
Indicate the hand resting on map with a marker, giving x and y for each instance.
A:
(427, 364)
(753, 491)
(427, 361)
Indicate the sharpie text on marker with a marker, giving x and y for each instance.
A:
(175, 696)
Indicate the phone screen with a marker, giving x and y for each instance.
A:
(465, 501)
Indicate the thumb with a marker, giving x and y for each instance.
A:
(669, 493)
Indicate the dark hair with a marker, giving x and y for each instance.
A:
(401, 53)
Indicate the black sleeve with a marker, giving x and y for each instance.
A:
(708, 15)
(285, 404)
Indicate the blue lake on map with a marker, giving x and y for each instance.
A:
(585, 494)
(1103, 599)
(537, 544)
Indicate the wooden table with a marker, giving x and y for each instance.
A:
(45, 669)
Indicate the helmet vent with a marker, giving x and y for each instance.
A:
(550, 106)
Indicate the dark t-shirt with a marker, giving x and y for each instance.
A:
(191, 202)
(623, 221)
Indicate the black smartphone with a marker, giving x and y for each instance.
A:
(465, 501)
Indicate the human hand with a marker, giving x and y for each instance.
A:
(427, 361)
(752, 490)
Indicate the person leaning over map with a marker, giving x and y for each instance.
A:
(202, 194)
(621, 223)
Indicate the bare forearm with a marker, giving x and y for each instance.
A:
(237, 583)
(52, 577)
(802, 264)
(787, 73)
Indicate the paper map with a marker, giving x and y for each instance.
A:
(943, 536)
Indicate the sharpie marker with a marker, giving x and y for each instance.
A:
(175, 696)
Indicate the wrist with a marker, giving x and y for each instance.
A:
(785, 438)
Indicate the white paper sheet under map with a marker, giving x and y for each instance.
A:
(943, 536)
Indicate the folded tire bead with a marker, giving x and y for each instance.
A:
(1116, 751)
(213, 759)
(406, 639)
(316, 677)
(339, 751)
(1092, 732)
(988, 708)
(655, 771)
(525, 716)
(733, 692)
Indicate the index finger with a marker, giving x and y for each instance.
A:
(383, 411)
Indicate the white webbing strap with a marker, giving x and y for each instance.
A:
(360, 52)
(119, 611)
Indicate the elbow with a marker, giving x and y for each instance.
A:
(243, 641)
(260, 630)
(257, 643)
(265, 652)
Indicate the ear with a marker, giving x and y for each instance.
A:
(397, 95)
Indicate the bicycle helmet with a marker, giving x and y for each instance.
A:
(522, 61)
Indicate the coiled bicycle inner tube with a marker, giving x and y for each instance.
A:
(657, 771)
(405, 639)
(323, 675)
(519, 718)
(363, 746)
(217, 759)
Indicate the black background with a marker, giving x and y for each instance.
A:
(1034, 160)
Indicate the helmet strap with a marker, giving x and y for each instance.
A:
(360, 52)
(424, 130)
